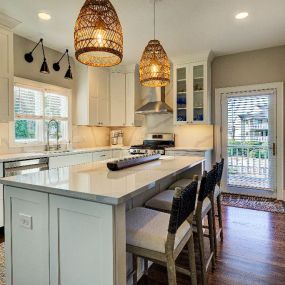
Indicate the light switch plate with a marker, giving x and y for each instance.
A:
(26, 221)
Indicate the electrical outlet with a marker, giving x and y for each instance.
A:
(26, 221)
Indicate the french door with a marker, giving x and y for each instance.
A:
(249, 142)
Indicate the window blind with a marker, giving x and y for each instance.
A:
(250, 134)
(28, 103)
(56, 106)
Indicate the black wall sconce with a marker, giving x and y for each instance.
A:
(29, 57)
(56, 66)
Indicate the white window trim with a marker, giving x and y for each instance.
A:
(279, 87)
(46, 87)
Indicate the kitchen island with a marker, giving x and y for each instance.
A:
(66, 226)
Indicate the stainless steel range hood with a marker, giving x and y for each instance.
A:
(157, 107)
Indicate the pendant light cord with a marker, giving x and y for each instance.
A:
(154, 18)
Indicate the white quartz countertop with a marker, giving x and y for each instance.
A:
(31, 155)
(95, 182)
(186, 148)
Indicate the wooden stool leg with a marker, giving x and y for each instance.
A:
(201, 250)
(212, 199)
(145, 266)
(212, 235)
(171, 270)
(220, 216)
(135, 269)
(192, 263)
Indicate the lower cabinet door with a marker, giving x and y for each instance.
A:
(81, 242)
(26, 237)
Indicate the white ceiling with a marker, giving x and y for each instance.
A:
(183, 26)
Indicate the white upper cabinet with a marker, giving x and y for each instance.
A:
(92, 96)
(107, 97)
(6, 74)
(192, 93)
(118, 99)
(131, 118)
(125, 98)
(99, 80)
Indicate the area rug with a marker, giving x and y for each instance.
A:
(2, 265)
(254, 203)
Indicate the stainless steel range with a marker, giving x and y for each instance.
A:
(154, 143)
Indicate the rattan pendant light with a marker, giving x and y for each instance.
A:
(98, 36)
(154, 64)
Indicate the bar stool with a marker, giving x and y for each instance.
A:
(216, 200)
(163, 201)
(160, 237)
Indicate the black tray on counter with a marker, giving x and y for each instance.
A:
(131, 161)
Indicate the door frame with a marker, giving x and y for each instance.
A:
(279, 88)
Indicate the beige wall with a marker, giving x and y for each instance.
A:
(32, 70)
(254, 67)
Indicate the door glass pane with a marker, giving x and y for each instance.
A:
(198, 93)
(249, 153)
(181, 95)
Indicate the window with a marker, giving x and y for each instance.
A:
(34, 107)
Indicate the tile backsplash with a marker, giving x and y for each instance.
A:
(89, 136)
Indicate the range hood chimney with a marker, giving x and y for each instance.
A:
(157, 107)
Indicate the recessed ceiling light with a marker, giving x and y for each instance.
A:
(241, 15)
(44, 16)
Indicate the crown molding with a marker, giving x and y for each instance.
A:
(8, 22)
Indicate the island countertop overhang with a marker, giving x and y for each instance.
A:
(94, 182)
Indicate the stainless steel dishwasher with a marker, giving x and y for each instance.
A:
(19, 167)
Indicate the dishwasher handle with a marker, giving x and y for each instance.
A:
(25, 169)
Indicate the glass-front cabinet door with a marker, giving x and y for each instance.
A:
(198, 91)
(181, 95)
(190, 98)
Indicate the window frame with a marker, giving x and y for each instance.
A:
(45, 88)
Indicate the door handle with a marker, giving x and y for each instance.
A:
(274, 149)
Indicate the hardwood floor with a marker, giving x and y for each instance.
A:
(253, 252)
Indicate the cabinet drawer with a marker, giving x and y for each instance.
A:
(68, 160)
(102, 155)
